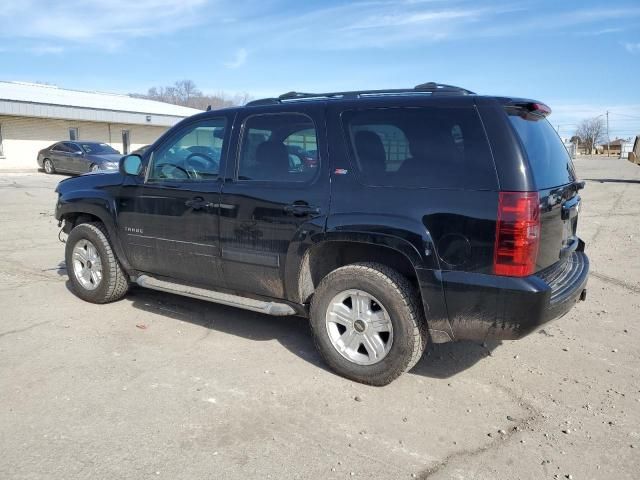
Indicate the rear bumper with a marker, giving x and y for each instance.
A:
(489, 306)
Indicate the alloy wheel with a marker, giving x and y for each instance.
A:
(359, 327)
(87, 266)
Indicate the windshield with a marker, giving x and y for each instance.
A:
(548, 157)
(98, 148)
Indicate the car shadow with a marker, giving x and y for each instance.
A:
(292, 332)
(445, 360)
(440, 361)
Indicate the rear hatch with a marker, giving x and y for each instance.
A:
(555, 179)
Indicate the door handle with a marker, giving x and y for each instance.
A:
(198, 203)
(301, 209)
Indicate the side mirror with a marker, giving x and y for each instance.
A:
(131, 165)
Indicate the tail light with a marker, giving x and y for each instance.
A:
(517, 234)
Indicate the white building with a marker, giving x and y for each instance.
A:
(33, 116)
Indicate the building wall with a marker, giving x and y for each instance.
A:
(23, 137)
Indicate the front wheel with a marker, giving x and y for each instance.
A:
(368, 323)
(48, 166)
(93, 268)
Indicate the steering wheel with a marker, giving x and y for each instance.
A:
(173, 168)
(202, 164)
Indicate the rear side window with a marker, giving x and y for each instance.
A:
(430, 147)
(278, 148)
(550, 163)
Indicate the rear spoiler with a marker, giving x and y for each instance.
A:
(529, 109)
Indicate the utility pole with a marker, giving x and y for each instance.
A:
(608, 138)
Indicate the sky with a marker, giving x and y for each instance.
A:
(582, 58)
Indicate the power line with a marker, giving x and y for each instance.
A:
(625, 115)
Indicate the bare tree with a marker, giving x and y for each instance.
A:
(185, 93)
(591, 132)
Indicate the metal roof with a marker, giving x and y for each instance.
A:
(52, 95)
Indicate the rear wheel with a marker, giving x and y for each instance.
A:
(48, 166)
(367, 323)
(93, 269)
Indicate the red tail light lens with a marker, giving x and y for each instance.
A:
(517, 234)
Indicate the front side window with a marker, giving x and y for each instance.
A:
(193, 155)
(278, 148)
(430, 147)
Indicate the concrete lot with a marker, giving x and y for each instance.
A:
(206, 391)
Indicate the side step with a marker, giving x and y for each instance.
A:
(270, 308)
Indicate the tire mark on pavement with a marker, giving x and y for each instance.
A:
(611, 212)
(616, 281)
(529, 422)
(20, 330)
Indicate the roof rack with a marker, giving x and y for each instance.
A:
(430, 88)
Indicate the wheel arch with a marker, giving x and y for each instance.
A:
(99, 210)
(418, 263)
(324, 257)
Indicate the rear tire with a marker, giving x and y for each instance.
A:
(48, 167)
(94, 270)
(372, 358)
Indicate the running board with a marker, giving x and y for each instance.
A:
(270, 308)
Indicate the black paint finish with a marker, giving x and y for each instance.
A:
(277, 239)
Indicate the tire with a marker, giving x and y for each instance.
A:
(82, 268)
(392, 299)
(48, 167)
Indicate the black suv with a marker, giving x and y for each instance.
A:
(428, 214)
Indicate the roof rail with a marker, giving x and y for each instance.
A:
(441, 87)
(262, 101)
(431, 88)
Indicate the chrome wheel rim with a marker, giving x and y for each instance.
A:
(87, 266)
(359, 327)
(47, 166)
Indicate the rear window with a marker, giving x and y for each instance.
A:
(548, 157)
(429, 147)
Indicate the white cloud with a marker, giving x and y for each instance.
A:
(239, 60)
(601, 31)
(96, 20)
(560, 21)
(632, 47)
(46, 49)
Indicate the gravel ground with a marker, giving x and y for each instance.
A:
(159, 386)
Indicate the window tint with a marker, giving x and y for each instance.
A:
(57, 147)
(193, 155)
(548, 157)
(278, 148)
(98, 148)
(431, 147)
(71, 147)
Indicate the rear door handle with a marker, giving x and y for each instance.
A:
(198, 203)
(301, 209)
